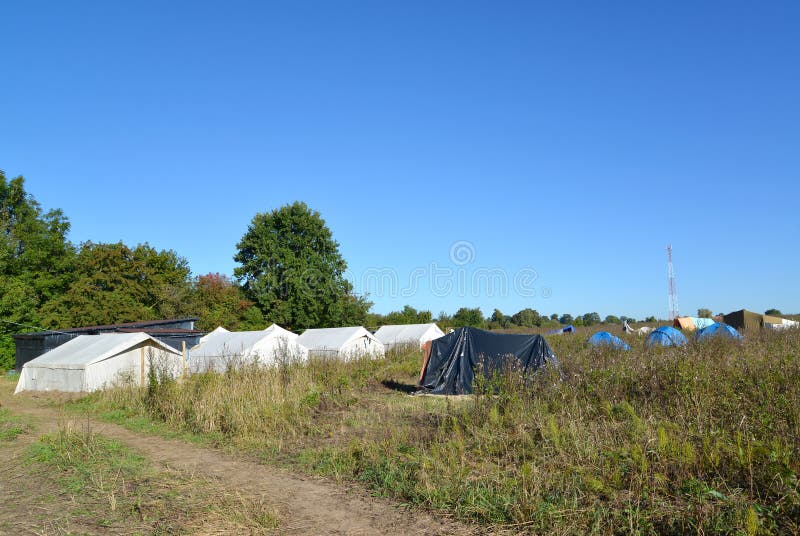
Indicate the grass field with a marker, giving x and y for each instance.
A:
(702, 439)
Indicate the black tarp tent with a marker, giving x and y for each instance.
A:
(450, 366)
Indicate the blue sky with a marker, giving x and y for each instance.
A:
(567, 143)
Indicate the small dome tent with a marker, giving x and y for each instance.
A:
(717, 330)
(666, 336)
(604, 338)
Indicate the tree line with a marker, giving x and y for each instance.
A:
(290, 272)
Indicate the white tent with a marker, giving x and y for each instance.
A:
(222, 349)
(218, 329)
(408, 334)
(785, 324)
(341, 343)
(92, 362)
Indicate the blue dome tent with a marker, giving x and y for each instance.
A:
(604, 338)
(717, 330)
(666, 336)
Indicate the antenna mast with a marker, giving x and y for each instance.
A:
(673, 292)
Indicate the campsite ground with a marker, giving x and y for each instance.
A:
(63, 473)
(701, 439)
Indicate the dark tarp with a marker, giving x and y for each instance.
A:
(450, 367)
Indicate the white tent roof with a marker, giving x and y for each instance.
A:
(218, 329)
(408, 333)
(224, 342)
(332, 338)
(85, 350)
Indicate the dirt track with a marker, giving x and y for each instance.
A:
(305, 505)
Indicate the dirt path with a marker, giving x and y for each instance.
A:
(305, 505)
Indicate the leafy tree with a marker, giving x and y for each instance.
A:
(35, 261)
(611, 319)
(578, 321)
(408, 315)
(704, 313)
(651, 319)
(554, 317)
(219, 301)
(566, 318)
(291, 268)
(527, 318)
(589, 319)
(468, 317)
(500, 319)
(772, 312)
(114, 283)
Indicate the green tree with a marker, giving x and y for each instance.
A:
(219, 301)
(651, 319)
(499, 318)
(291, 268)
(772, 312)
(589, 319)
(468, 317)
(36, 261)
(704, 313)
(113, 283)
(554, 317)
(566, 318)
(611, 319)
(527, 318)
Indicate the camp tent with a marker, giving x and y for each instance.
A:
(785, 324)
(454, 359)
(684, 322)
(224, 349)
(91, 362)
(717, 330)
(748, 320)
(604, 338)
(666, 336)
(218, 329)
(408, 334)
(341, 343)
(691, 323)
(561, 331)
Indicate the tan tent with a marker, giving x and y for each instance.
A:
(685, 323)
(748, 320)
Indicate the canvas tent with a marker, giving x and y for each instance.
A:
(785, 324)
(604, 338)
(749, 321)
(218, 329)
(224, 349)
(408, 334)
(341, 343)
(454, 359)
(691, 323)
(666, 336)
(92, 362)
(717, 330)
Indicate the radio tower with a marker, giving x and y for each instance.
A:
(673, 292)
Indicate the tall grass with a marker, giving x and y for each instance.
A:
(704, 438)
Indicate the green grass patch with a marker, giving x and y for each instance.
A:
(12, 425)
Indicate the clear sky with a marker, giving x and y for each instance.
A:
(554, 146)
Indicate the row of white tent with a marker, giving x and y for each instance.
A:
(92, 362)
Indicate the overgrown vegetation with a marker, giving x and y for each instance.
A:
(698, 439)
(114, 488)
